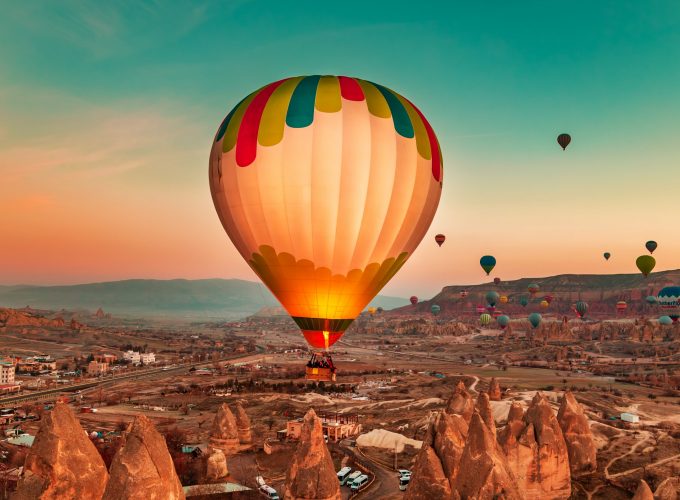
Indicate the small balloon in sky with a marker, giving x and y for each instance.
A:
(563, 140)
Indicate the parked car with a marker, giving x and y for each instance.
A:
(359, 482)
(343, 475)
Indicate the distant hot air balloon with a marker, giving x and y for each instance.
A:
(651, 299)
(491, 309)
(533, 289)
(548, 298)
(379, 310)
(535, 319)
(607, 255)
(621, 306)
(545, 304)
(435, 309)
(581, 309)
(372, 310)
(651, 246)
(524, 301)
(492, 298)
(496, 281)
(503, 321)
(665, 320)
(440, 239)
(645, 263)
(504, 299)
(485, 319)
(669, 299)
(325, 185)
(480, 309)
(463, 294)
(414, 300)
(488, 262)
(563, 140)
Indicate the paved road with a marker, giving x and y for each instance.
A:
(385, 484)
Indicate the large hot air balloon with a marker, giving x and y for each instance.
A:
(665, 320)
(524, 301)
(535, 319)
(496, 281)
(484, 319)
(563, 140)
(503, 299)
(607, 255)
(491, 298)
(503, 321)
(325, 185)
(533, 289)
(621, 306)
(414, 300)
(435, 309)
(545, 304)
(650, 299)
(669, 299)
(581, 309)
(651, 246)
(645, 263)
(440, 239)
(488, 262)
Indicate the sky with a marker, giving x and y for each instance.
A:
(108, 110)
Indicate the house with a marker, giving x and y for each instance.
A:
(95, 368)
(6, 373)
(630, 417)
(132, 356)
(335, 426)
(105, 358)
(147, 358)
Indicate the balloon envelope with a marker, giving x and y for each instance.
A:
(621, 306)
(492, 298)
(485, 319)
(545, 304)
(665, 320)
(435, 309)
(533, 289)
(607, 255)
(651, 246)
(488, 262)
(581, 308)
(503, 299)
(503, 321)
(524, 301)
(496, 281)
(325, 185)
(651, 299)
(440, 239)
(414, 300)
(535, 319)
(563, 140)
(645, 263)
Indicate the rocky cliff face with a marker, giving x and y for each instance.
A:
(216, 466)
(460, 403)
(494, 390)
(484, 471)
(142, 468)
(25, 317)
(243, 425)
(537, 452)
(577, 434)
(484, 409)
(224, 433)
(63, 462)
(311, 474)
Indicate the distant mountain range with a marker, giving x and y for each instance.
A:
(179, 298)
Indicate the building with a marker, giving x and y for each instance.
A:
(95, 368)
(132, 356)
(630, 417)
(147, 358)
(40, 363)
(6, 373)
(334, 425)
(105, 358)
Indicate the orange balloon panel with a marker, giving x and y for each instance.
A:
(325, 185)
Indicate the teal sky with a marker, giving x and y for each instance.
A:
(107, 110)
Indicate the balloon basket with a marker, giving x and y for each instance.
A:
(320, 368)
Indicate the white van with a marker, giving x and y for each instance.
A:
(343, 474)
(354, 475)
(270, 492)
(403, 481)
(359, 482)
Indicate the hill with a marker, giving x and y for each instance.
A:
(210, 298)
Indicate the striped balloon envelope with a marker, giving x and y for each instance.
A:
(325, 185)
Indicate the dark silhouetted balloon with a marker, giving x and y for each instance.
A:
(563, 140)
(651, 246)
(414, 300)
(488, 262)
(440, 239)
(496, 281)
(645, 263)
(607, 255)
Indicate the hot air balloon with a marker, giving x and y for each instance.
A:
(524, 301)
(379, 310)
(548, 298)
(545, 304)
(563, 140)
(665, 320)
(503, 299)
(581, 309)
(621, 306)
(480, 309)
(650, 299)
(372, 310)
(503, 321)
(651, 246)
(435, 309)
(492, 298)
(607, 255)
(440, 239)
(484, 319)
(488, 262)
(414, 300)
(669, 299)
(645, 263)
(325, 185)
(535, 319)
(496, 281)
(533, 289)
(463, 294)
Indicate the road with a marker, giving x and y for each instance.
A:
(385, 484)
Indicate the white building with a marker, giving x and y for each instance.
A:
(630, 417)
(132, 356)
(6, 373)
(147, 358)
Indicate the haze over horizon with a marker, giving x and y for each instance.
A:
(107, 113)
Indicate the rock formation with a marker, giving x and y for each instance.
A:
(484, 471)
(25, 317)
(224, 434)
(311, 473)
(669, 489)
(142, 469)
(243, 425)
(537, 452)
(643, 491)
(577, 434)
(63, 462)
(75, 324)
(494, 390)
(428, 480)
(484, 410)
(216, 466)
(461, 403)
